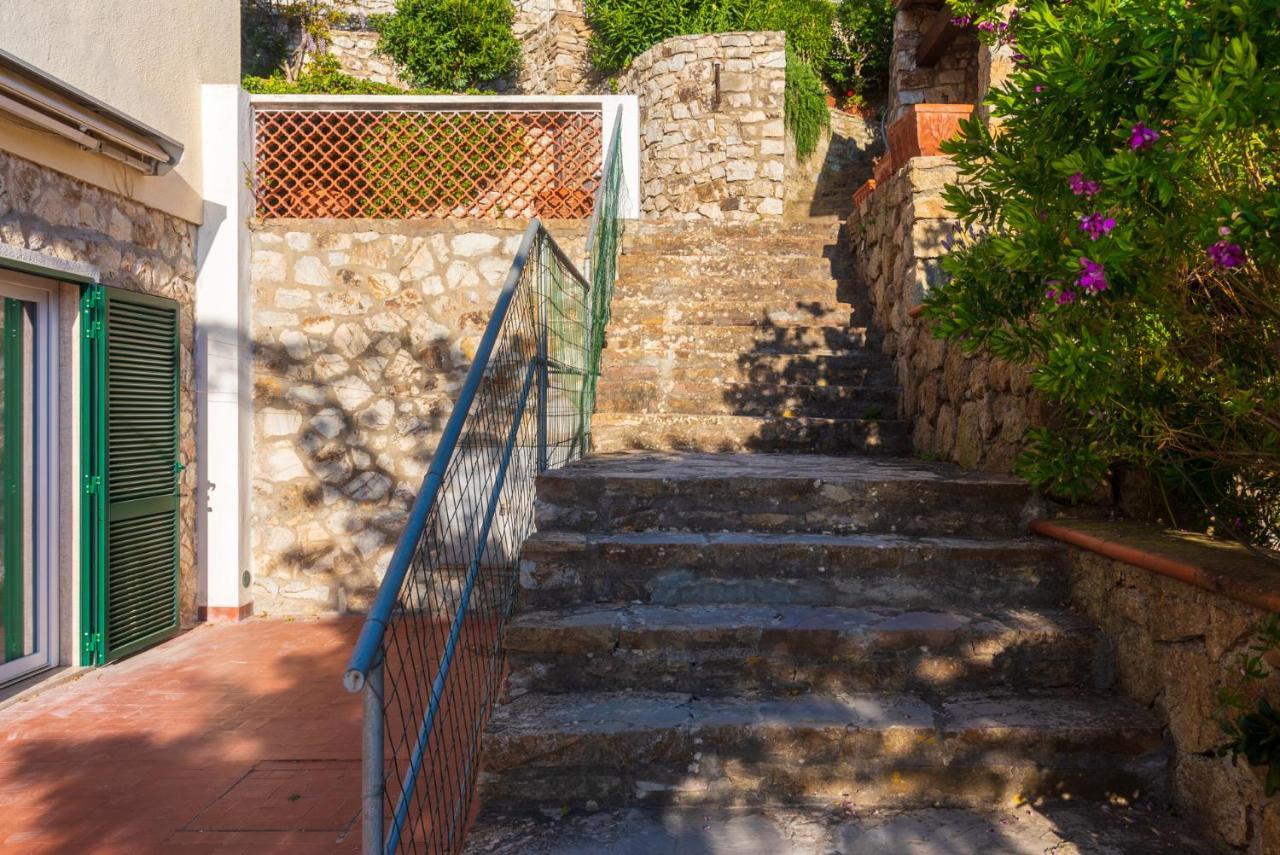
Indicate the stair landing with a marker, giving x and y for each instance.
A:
(844, 829)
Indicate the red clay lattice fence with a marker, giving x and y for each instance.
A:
(416, 164)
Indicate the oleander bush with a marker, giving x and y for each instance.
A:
(451, 45)
(1127, 222)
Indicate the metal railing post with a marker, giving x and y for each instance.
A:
(373, 769)
(544, 362)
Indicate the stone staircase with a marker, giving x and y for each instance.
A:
(794, 653)
(743, 338)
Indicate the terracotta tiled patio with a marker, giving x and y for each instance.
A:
(229, 738)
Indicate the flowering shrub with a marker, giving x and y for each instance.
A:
(1127, 217)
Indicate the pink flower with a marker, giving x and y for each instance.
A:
(1226, 254)
(1056, 292)
(1097, 225)
(1140, 136)
(961, 21)
(1082, 186)
(1093, 277)
(1039, 88)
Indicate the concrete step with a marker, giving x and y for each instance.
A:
(630, 432)
(1070, 828)
(820, 310)
(751, 399)
(640, 266)
(560, 569)
(780, 493)
(875, 750)
(857, 368)
(792, 649)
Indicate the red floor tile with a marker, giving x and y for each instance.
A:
(219, 728)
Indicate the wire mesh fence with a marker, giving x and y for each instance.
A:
(426, 163)
(429, 659)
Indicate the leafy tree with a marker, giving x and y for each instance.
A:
(451, 45)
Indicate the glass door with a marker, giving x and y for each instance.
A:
(26, 482)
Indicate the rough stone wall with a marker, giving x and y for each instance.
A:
(969, 409)
(357, 53)
(133, 247)
(709, 158)
(953, 80)
(362, 334)
(556, 57)
(1175, 646)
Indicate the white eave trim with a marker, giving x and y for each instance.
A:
(34, 98)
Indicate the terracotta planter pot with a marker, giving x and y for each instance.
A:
(884, 169)
(919, 131)
(831, 101)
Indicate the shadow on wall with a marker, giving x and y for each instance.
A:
(356, 444)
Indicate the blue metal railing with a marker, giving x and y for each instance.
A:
(429, 656)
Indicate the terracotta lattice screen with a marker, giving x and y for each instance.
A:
(414, 164)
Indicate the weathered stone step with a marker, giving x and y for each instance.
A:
(857, 368)
(1060, 828)
(807, 244)
(882, 749)
(821, 310)
(696, 233)
(780, 493)
(649, 267)
(564, 569)
(630, 432)
(781, 291)
(732, 649)
(746, 338)
(752, 399)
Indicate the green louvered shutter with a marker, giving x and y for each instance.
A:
(137, 603)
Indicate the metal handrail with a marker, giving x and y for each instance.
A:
(375, 624)
(580, 306)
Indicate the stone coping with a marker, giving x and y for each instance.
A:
(1224, 567)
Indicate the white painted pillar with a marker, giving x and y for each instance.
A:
(630, 145)
(223, 372)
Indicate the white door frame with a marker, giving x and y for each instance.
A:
(45, 438)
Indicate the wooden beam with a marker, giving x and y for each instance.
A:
(939, 37)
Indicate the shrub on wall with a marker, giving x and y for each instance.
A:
(1127, 222)
(323, 76)
(806, 105)
(858, 61)
(452, 45)
(624, 29)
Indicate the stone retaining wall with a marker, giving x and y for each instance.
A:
(357, 53)
(133, 247)
(553, 35)
(1175, 646)
(972, 410)
(709, 156)
(363, 332)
